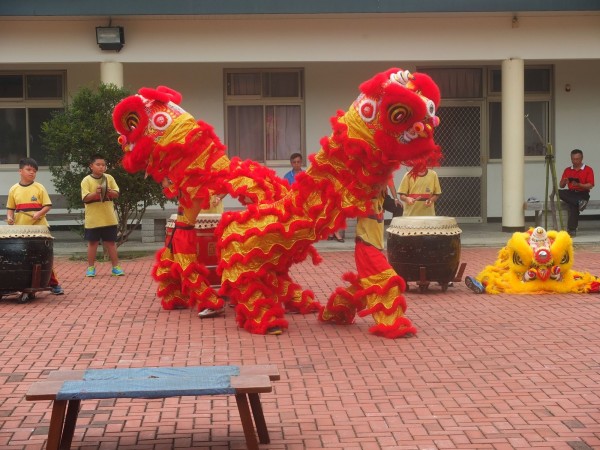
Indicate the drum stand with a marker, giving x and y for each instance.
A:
(28, 294)
(423, 283)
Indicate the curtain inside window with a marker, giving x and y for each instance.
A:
(282, 131)
(245, 132)
(458, 82)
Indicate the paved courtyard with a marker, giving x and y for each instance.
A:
(483, 372)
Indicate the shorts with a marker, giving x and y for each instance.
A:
(106, 234)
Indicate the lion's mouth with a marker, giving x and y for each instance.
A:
(419, 130)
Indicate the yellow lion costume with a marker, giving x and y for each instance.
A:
(535, 261)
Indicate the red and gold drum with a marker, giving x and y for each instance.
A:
(429, 242)
(26, 257)
(206, 244)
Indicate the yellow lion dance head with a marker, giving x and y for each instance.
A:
(537, 261)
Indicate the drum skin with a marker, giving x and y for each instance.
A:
(434, 246)
(20, 250)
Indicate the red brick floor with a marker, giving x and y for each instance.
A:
(483, 372)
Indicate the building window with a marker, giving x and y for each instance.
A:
(27, 100)
(538, 97)
(264, 114)
(457, 83)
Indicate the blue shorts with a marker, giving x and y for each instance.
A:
(105, 234)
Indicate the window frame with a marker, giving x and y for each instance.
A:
(263, 102)
(27, 104)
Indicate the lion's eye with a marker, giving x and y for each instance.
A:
(430, 108)
(132, 121)
(565, 258)
(398, 113)
(517, 261)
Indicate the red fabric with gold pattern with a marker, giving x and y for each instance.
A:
(389, 124)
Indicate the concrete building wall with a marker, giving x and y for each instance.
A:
(336, 52)
(432, 37)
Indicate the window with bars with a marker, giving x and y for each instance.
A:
(27, 100)
(264, 113)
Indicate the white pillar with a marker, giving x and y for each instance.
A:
(111, 73)
(513, 144)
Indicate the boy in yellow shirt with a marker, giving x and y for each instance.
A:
(419, 193)
(28, 203)
(98, 190)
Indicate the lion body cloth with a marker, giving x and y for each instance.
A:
(389, 124)
(537, 261)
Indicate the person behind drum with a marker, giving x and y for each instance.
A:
(419, 192)
(28, 203)
(98, 190)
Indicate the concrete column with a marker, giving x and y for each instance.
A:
(513, 145)
(111, 73)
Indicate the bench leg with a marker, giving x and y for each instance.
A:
(70, 421)
(246, 418)
(60, 433)
(56, 424)
(259, 419)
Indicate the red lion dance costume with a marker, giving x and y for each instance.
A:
(390, 123)
(161, 138)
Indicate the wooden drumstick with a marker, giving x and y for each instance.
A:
(26, 213)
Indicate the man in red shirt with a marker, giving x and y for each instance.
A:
(578, 179)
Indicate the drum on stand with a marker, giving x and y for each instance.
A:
(26, 258)
(206, 244)
(424, 249)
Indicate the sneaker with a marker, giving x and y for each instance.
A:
(572, 233)
(117, 271)
(274, 331)
(208, 312)
(57, 290)
(582, 204)
(474, 285)
(90, 272)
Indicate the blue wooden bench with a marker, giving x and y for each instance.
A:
(66, 389)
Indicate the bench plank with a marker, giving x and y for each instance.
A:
(66, 388)
(538, 208)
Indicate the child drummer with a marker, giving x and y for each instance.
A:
(28, 203)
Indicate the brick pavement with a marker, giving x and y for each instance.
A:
(484, 372)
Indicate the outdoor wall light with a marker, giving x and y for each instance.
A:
(110, 38)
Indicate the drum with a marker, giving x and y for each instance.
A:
(429, 242)
(206, 244)
(25, 251)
